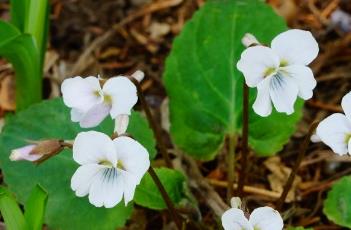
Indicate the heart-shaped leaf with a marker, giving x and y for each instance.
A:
(51, 119)
(205, 88)
(337, 205)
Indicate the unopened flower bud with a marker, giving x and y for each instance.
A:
(138, 75)
(121, 124)
(249, 40)
(38, 151)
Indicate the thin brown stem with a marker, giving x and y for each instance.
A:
(155, 127)
(244, 145)
(231, 165)
(293, 173)
(166, 198)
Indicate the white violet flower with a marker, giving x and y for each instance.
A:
(24, 153)
(335, 130)
(264, 218)
(280, 73)
(110, 169)
(91, 103)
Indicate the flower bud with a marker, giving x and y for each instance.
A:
(121, 124)
(249, 40)
(38, 151)
(138, 75)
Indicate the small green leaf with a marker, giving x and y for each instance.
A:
(148, 195)
(10, 211)
(35, 208)
(337, 206)
(205, 87)
(51, 119)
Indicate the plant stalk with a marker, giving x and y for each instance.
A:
(166, 198)
(293, 173)
(155, 127)
(231, 166)
(245, 137)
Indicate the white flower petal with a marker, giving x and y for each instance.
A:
(107, 188)
(304, 78)
(130, 183)
(123, 93)
(83, 177)
(283, 92)
(349, 146)
(296, 47)
(263, 105)
(346, 105)
(334, 131)
(93, 147)
(76, 115)
(134, 157)
(81, 93)
(121, 123)
(138, 75)
(266, 218)
(94, 116)
(234, 219)
(255, 62)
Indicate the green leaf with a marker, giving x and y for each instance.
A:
(205, 88)
(37, 24)
(51, 119)
(22, 53)
(10, 211)
(35, 208)
(7, 32)
(18, 12)
(337, 206)
(148, 195)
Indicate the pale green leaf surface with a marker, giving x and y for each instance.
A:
(35, 208)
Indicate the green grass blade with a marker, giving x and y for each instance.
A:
(18, 12)
(10, 211)
(7, 32)
(35, 208)
(21, 51)
(37, 24)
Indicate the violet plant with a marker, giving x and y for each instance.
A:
(211, 79)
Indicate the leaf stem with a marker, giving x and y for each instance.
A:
(155, 127)
(245, 136)
(232, 139)
(166, 198)
(293, 173)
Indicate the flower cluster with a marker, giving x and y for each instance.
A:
(263, 218)
(280, 72)
(110, 169)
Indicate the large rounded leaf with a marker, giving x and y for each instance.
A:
(337, 206)
(50, 119)
(205, 88)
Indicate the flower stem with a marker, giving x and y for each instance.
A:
(155, 127)
(245, 136)
(300, 157)
(166, 198)
(232, 139)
